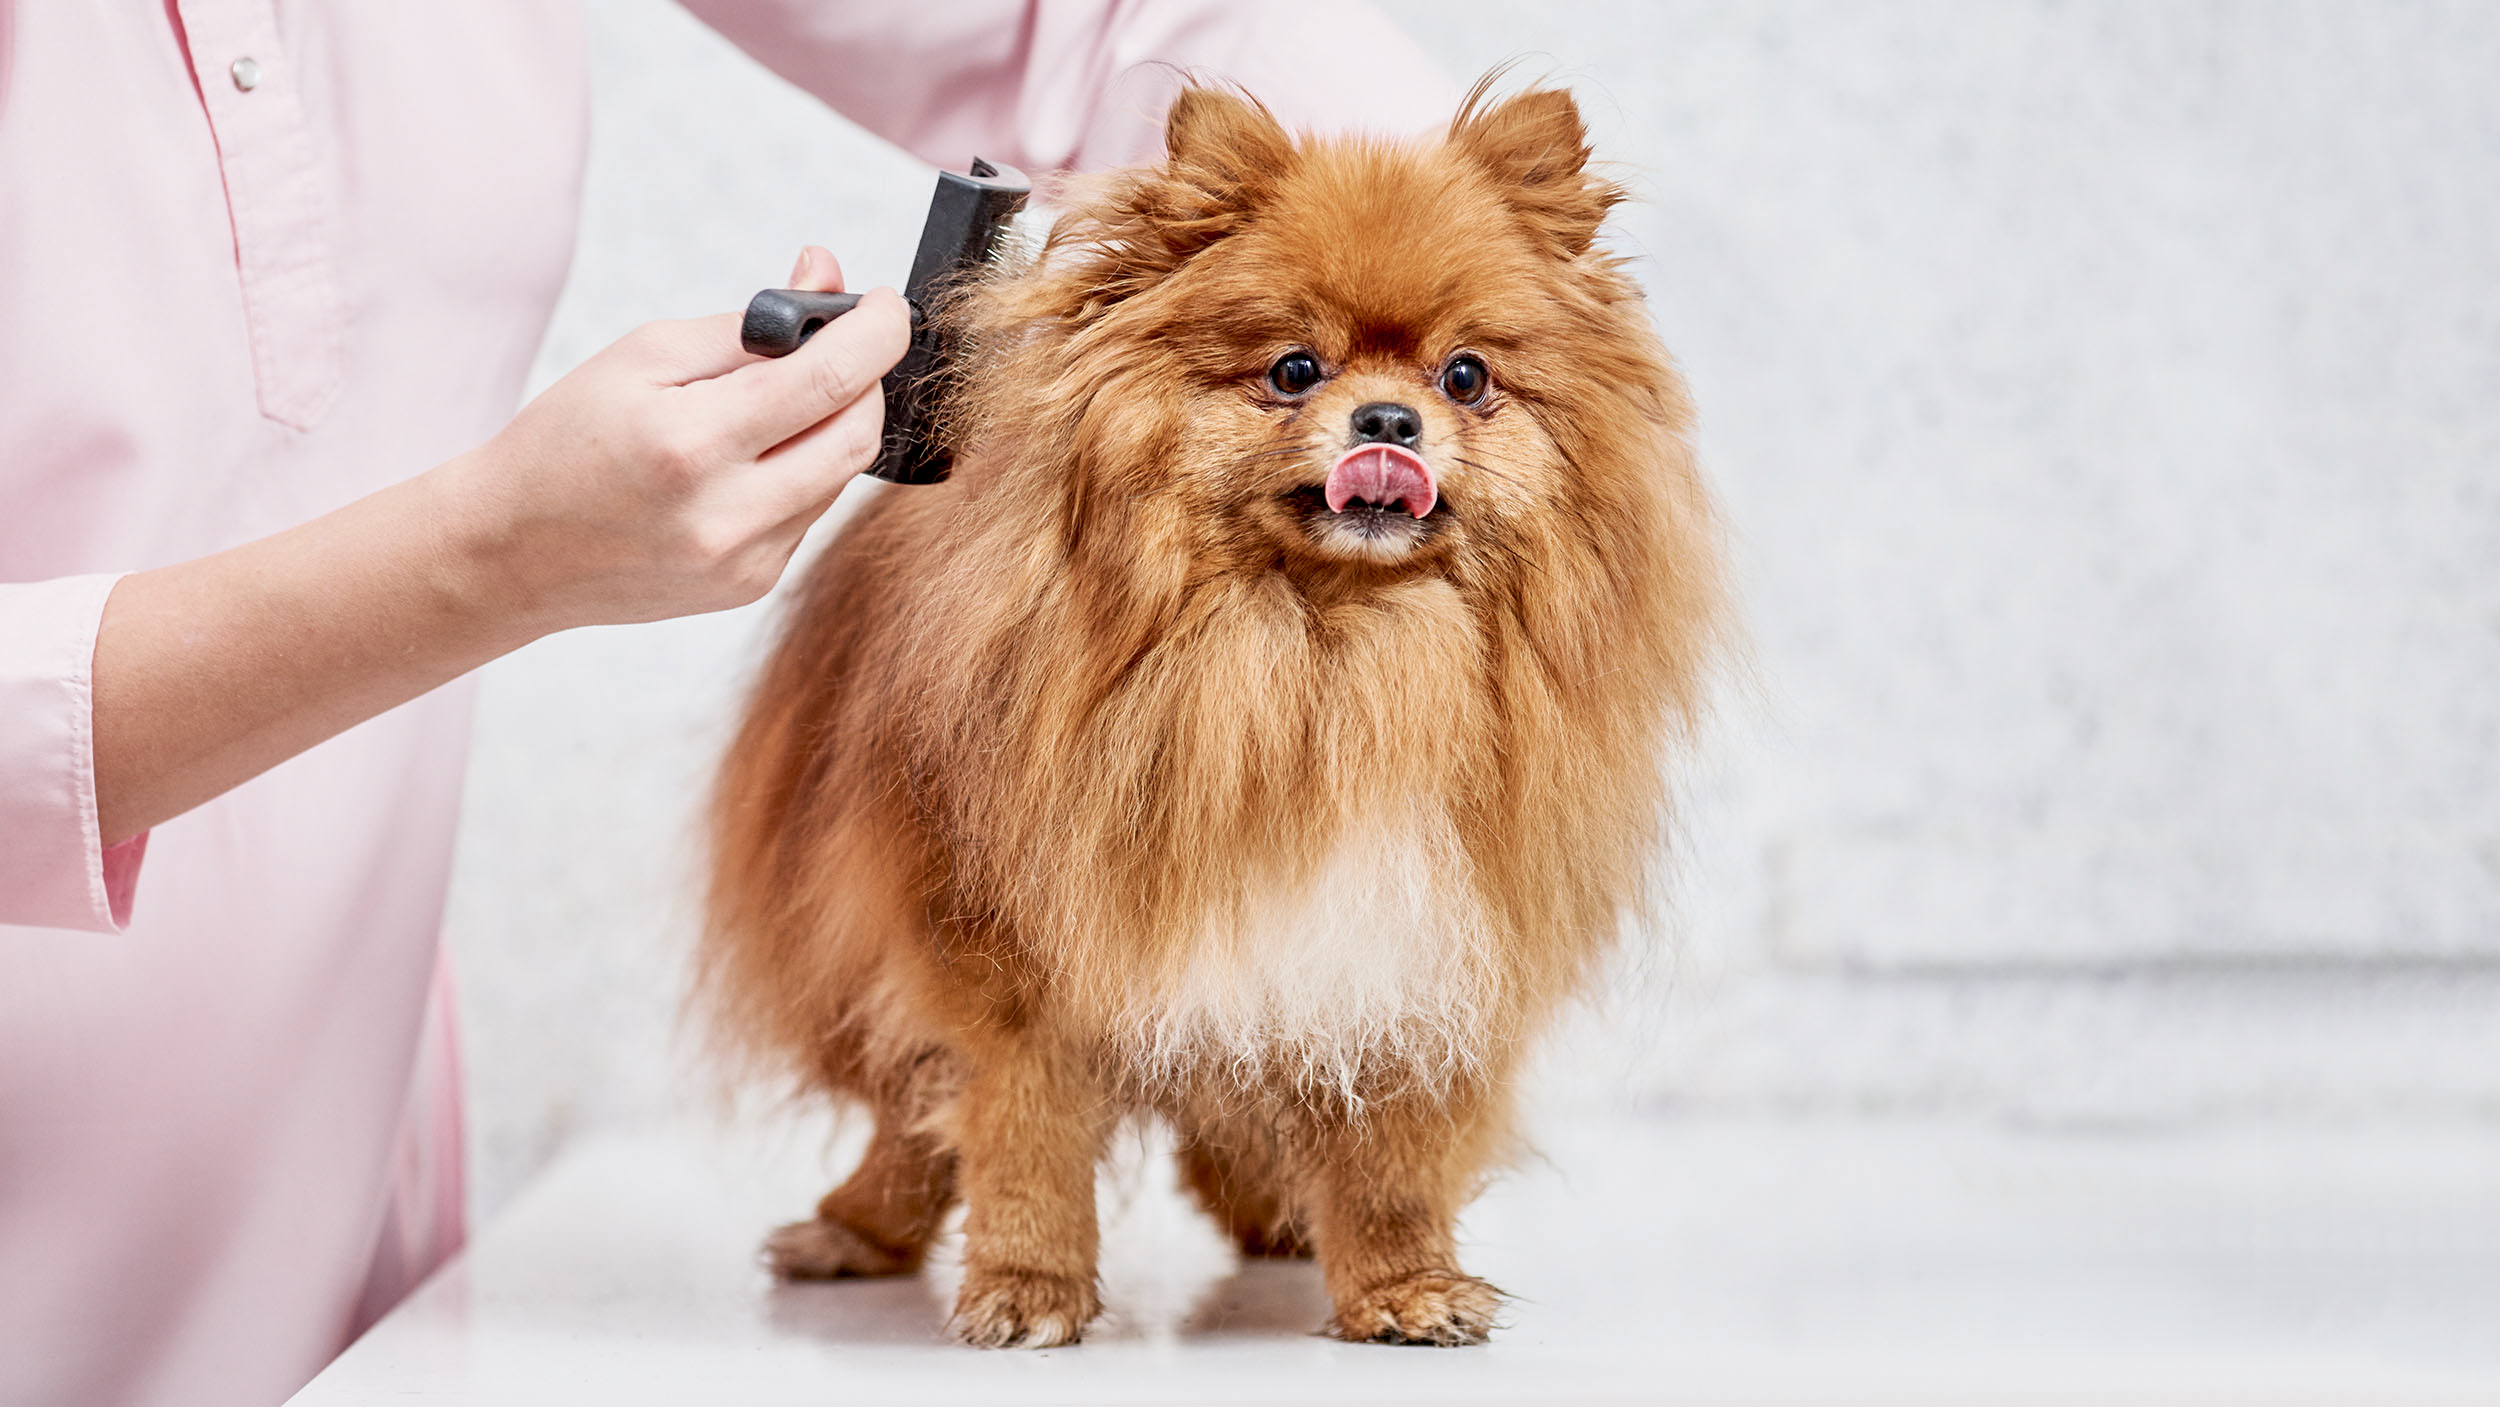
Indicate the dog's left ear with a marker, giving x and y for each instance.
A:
(1535, 145)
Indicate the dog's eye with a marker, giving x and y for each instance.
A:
(1294, 373)
(1464, 380)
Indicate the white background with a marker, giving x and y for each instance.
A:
(2106, 399)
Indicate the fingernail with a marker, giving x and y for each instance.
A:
(798, 271)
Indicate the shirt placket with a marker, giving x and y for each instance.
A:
(278, 201)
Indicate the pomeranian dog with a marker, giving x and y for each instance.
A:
(1264, 730)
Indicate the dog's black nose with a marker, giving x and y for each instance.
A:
(1388, 423)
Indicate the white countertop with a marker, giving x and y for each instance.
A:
(1719, 1262)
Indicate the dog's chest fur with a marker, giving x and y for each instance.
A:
(1372, 962)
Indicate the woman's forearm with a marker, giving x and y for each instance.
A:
(212, 671)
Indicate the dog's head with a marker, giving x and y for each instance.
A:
(1334, 357)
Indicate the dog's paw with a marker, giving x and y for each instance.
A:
(828, 1250)
(1443, 1308)
(1022, 1309)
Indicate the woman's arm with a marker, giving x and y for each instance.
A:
(1083, 84)
(670, 474)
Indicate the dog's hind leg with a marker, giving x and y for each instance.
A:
(1245, 1192)
(881, 1219)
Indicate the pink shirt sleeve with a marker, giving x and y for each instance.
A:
(1082, 84)
(54, 870)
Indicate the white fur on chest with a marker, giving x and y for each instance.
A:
(1374, 960)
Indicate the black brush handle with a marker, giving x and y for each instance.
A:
(780, 319)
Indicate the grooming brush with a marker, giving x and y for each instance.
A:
(967, 216)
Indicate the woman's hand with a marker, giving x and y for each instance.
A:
(668, 475)
(674, 473)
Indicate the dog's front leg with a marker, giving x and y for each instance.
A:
(1389, 1188)
(1029, 1128)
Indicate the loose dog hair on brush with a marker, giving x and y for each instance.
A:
(1267, 727)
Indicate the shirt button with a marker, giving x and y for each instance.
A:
(246, 74)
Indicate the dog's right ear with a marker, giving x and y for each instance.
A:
(1132, 229)
(1225, 144)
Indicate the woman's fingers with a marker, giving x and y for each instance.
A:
(817, 271)
(683, 351)
(766, 402)
(803, 475)
(687, 350)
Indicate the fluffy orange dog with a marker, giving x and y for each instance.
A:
(1264, 728)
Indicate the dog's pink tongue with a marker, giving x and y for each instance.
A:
(1382, 475)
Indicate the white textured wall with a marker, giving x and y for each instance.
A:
(2107, 402)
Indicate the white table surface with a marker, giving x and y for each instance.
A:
(1713, 1262)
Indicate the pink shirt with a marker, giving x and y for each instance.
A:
(234, 297)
